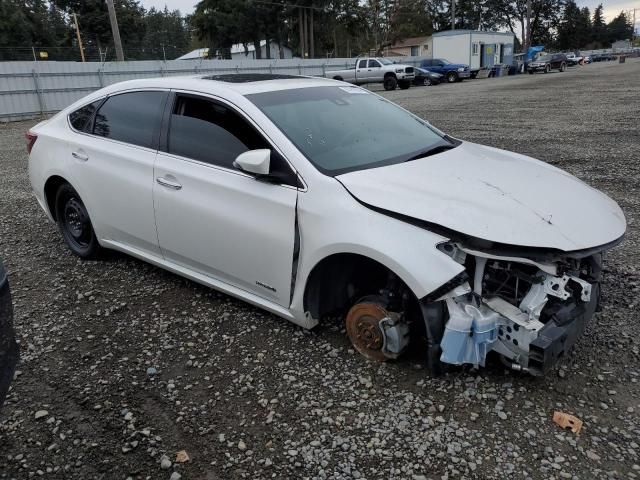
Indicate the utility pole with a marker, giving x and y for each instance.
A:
(75, 21)
(527, 43)
(311, 42)
(301, 28)
(453, 14)
(115, 31)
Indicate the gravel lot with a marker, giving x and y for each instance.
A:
(123, 364)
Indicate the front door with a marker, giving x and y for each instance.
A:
(214, 219)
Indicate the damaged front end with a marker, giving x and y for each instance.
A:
(528, 310)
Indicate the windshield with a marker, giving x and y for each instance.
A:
(385, 61)
(544, 58)
(341, 129)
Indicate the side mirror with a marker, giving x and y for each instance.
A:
(254, 161)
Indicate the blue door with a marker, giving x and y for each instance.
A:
(488, 55)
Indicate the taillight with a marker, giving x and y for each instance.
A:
(31, 140)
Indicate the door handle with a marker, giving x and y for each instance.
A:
(80, 156)
(168, 183)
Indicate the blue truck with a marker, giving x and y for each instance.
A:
(453, 72)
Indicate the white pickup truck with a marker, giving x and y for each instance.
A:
(376, 70)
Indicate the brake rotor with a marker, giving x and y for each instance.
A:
(363, 329)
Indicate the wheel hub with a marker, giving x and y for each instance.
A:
(76, 219)
(363, 329)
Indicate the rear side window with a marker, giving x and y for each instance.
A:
(81, 118)
(210, 132)
(131, 117)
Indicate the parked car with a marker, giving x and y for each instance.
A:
(312, 199)
(9, 352)
(546, 63)
(573, 59)
(453, 72)
(603, 57)
(376, 70)
(426, 77)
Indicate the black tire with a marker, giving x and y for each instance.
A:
(563, 67)
(452, 77)
(74, 223)
(426, 81)
(547, 69)
(531, 72)
(390, 83)
(404, 84)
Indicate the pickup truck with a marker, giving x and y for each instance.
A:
(453, 72)
(376, 70)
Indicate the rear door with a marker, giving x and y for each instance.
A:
(112, 166)
(213, 218)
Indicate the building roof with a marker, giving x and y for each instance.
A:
(410, 42)
(448, 33)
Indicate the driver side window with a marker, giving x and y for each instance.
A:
(210, 132)
(374, 64)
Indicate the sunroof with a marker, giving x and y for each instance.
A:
(248, 77)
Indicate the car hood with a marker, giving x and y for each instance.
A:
(493, 195)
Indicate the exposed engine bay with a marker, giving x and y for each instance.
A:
(530, 312)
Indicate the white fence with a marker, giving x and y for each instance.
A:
(30, 89)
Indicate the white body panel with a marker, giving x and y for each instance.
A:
(494, 195)
(226, 225)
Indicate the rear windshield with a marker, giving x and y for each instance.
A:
(341, 129)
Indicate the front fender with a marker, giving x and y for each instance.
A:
(407, 250)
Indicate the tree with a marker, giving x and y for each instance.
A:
(620, 28)
(166, 34)
(598, 28)
(96, 29)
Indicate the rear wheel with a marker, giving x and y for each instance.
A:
(390, 82)
(563, 67)
(452, 77)
(74, 223)
(427, 82)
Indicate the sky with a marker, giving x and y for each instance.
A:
(611, 7)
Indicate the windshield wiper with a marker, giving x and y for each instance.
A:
(431, 151)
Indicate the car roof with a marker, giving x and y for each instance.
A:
(242, 84)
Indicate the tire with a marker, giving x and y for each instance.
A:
(390, 83)
(404, 84)
(74, 223)
(531, 72)
(547, 69)
(452, 77)
(563, 67)
(427, 82)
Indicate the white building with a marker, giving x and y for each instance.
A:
(238, 52)
(474, 48)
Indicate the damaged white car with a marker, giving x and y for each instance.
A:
(315, 199)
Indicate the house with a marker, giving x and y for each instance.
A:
(238, 52)
(410, 47)
(475, 48)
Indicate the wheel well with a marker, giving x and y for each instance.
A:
(389, 74)
(50, 189)
(338, 77)
(339, 280)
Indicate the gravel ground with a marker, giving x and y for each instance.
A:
(123, 364)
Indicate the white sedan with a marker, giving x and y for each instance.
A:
(315, 199)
